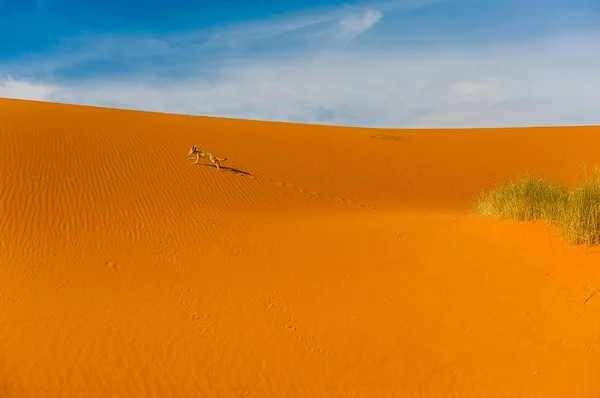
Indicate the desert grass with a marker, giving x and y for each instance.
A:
(575, 211)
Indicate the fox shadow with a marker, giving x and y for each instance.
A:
(229, 169)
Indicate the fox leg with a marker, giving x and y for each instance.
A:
(213, 159)
(197, 158)
(215, 162)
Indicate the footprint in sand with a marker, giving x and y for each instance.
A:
(112, 265)
(315, 195)
(387, 137)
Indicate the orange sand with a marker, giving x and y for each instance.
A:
(323, 263)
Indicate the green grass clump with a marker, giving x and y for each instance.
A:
(581, 219)
(575, 211)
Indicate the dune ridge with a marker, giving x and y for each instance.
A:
(321, 261)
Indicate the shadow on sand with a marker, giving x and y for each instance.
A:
(225, 168)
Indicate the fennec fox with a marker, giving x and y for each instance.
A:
(199, 153)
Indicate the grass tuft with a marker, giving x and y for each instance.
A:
(575, 211)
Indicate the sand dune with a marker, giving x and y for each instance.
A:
(320, 262)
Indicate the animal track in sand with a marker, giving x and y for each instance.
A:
(311, 194)
(279, 315)
(199, 319)
(387, 137)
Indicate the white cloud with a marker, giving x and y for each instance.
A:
(23, 89)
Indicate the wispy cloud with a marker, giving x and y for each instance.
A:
(353, 26)
(325, 27)
(312, 68)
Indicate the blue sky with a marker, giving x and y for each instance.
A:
(377, 63)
